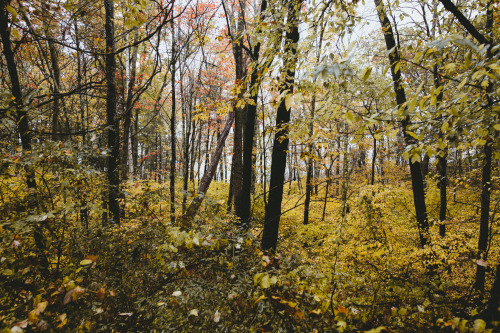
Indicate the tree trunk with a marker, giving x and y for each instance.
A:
(129, 105)
(249, 133)
(482, 245)
(56, 73)
(237, 162)
(185, 174)
(112, 126)
(310, 146)
(209, 174)
(22, 123)
(280, 145)
(172, 130)
(415, 170)
(493, 304)
(374, 157)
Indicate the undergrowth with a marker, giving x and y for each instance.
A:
(363, 271)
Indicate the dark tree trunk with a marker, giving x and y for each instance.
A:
(248, 139)
(280, 145)
(21, 114)
(442, 164)
(22, 123)
(482, 245)
(443, 182)
(424, 167)
(491, 311)
(112, 126)
(415, 169)
(56, 73)
(187, 136)
(237, 161)
(310, 146)
(486, 175)
(374, 157)
(172, 130)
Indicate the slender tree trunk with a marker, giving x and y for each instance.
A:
(212, 168)
(21, 113)
(310, 159)
(345, 172)
(374, 157)
(185, 175)
(280, 145)
(79, 80)
(112, 126)
(129, 105)
(442, 164)
(415, 170)
(237, 162)
(310, 146)
(135, 145)
(248, 139)
(56, 73)
(485, 217)
(172, 129)
(22, 123)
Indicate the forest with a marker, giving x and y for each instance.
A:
(249, 166)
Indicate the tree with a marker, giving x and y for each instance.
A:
(415, 169)
(280, 143)
(249, 131)
(172, 125)
(112, 126)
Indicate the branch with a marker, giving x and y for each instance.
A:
(450, 6)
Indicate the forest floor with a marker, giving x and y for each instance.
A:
(363, 271)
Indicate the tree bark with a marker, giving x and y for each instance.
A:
(172, 130)
(248, 139)
(239, 118)
(494, 302)
(280, 145)
(482, 245)
(129, 105)
(415, 169)
(112, 126)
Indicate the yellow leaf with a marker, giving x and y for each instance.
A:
(397, 67)
(15, 33)
(85, 262)
(32, 317)
(260, 299)
(265, 282)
